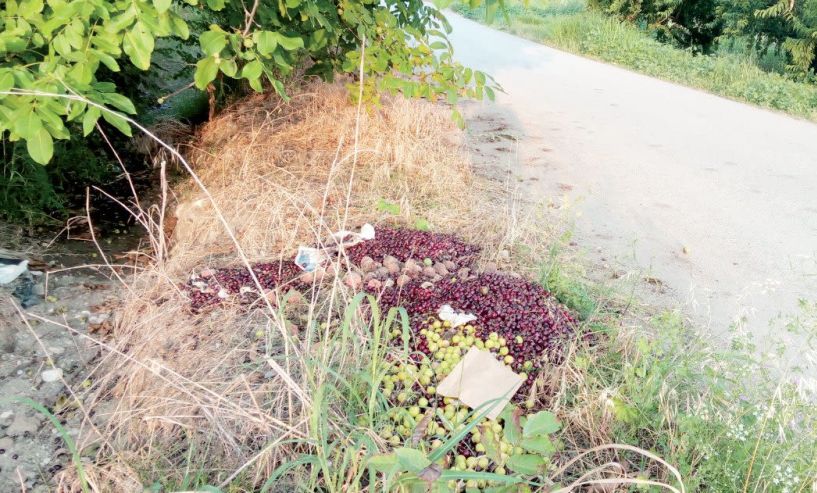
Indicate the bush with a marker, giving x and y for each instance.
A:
(72, 50)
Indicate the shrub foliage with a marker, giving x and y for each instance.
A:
(789, 26)
(74, 47)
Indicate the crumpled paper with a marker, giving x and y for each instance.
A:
(446, 313)
(480, 378)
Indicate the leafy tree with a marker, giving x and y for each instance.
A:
(796, 33)
(689, 23)
(73, 48)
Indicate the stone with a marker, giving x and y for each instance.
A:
(53, 375)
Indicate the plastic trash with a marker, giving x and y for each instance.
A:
(11, 268)
(347, 239)
(446, 313)
(26, 292)
(309, 258)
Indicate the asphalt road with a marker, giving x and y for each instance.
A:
(714, 198)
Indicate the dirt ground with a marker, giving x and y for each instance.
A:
(42, 362)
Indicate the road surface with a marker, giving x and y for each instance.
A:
(714, 198)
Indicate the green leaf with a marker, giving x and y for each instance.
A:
(526, 463)
(81, 73)
(162, 5)
(117, 121)
(252, 70)
(458, 119)
(138, 45)
(6, 80)
(512, 430)
(120, 102)
(266, 41)
(541, 445)
(89, 121)
(541, 423)
(215, 4)
(411, 459)
(490, 93)
(180, 27)
(279, 88)
(382, 462)
(290, 44)
(28, 123)
(212, 42)
(228, 67)
(388, 207)
(422, 224)
(40, 146)
(206, 71)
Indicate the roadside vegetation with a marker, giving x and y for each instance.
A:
(227, 369)
(735, 66)
(303, 389)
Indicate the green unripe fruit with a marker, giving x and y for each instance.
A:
(528, 365)
(479, 448)
(259, 334)
(500, 471)
(508, 359)
(401, 397)
(519, 339)
(428, 262)
(503, 350)
(502, 341)
(471, 483)
(483, 462)
(471, 462)
(414, 411)
(431, 390)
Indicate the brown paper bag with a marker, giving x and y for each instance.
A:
(479, 378)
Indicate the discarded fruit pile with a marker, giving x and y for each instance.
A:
(419, 414)
(514, 314)
(404, 244)
(518, 322)
(212, 286)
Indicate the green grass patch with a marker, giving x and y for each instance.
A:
(568, 25)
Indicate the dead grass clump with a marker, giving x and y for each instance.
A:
(224, 395)
(281, 172)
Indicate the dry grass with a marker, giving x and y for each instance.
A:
(179, 394)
